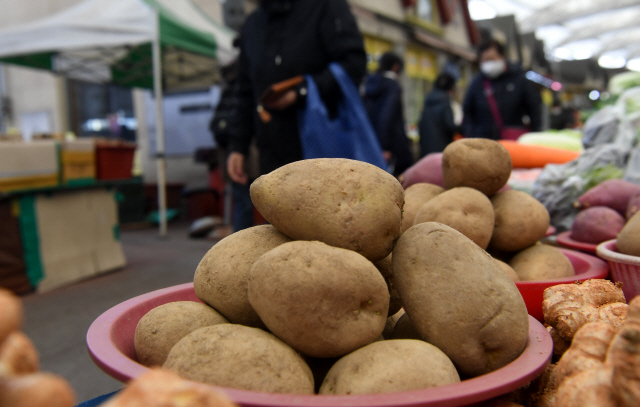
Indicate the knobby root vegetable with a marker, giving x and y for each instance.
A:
(624, 356)
(567, 307)
(560, 345)
(590, 388)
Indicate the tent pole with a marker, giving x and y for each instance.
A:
(160, 150)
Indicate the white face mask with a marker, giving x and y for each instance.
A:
(493, 69)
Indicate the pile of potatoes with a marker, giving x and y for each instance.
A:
(341, 294)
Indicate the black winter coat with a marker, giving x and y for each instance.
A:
(383, 101)
(515, 96)
(283, 39)
(436, 126)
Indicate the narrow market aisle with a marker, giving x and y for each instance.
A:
(57, 321)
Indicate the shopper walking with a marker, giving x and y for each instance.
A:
(383, 101)
(280, 40)
(501, 102)
(437, 126)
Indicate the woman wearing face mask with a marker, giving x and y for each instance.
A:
(500, 98)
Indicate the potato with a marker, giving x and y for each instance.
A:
(162, 327)
(414, 197)
(223, 273)
(163, 388)
(459, 299)
(477, 163)
(240, 357)
(36, 390)
(509, 270)
(18, 355)
(466, 210)
(390, 325)
(405, 329)
(541, 262)
(385, 268)
(596, 225)
(11, 315)
(629, 237)
(343, 203)
(521, 220)
(388, 367)
(323, 301)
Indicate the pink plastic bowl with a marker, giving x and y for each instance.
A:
(585, 266)
(624, 268)
(110, 343)
(551, 230)
(565, 240)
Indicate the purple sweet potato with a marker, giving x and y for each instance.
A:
(428, 169)
(596, 225)
(613, 193)
(633, 206)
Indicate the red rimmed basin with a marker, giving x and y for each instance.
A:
(110, 344)
(585, 266)
(565, 240)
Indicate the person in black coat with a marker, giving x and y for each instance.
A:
(514, 94)
(383, 102)
(280, 40)
(437, 127)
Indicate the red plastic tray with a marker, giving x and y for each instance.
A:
(110, 344)
(565, 240)
(585, 266)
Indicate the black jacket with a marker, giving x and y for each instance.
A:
(436, 126)
(383, 101)
(283, 39)
(515, 96)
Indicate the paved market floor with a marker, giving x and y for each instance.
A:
(57, 321)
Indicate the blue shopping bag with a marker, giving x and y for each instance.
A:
(348, 135)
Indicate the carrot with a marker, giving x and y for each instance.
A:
(530, 156)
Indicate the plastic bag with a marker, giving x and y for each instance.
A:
(349, 135)
(601, 128)
(559, 186)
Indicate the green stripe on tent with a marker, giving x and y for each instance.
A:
(177, 33)
(134, 70)
(30, 240)
(38, 61)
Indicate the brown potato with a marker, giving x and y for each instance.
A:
(240, 357)
(521, 220)
(18, 355)
(477, 163)
(385, 268)
(467, 210)
(459, 299)
(343, 203)
(11, 315)
(509, 270)
(162, 327)
(629, 237)
(323, 301)
(414, 197)
(223, 273)
(390, 366)
(36, 390)
(541, 262)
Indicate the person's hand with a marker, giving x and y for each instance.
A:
(386, 155)
(284, 101)
(235, 168)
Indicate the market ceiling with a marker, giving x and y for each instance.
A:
(606, 30)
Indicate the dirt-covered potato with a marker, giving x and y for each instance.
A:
(223, 273)
(541, 262)
(386, 269)
(521, 220)
(240, 357)
(414, 197)
(629, 237)
(509, 270)
(162, 327)
(467, 210)
(323, 301)
(459, 299)
(404, 329)
(477, 163)
(388, 367)
(343, 203)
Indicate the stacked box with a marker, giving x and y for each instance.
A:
(29, 165)
(78, 159)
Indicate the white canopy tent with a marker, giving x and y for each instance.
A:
(155, 44)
